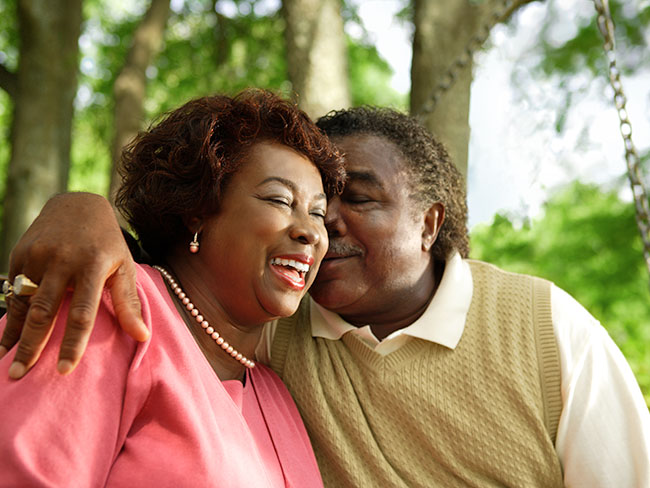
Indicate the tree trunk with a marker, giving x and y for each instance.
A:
(442, 32)
(317, 54)
(131, 84)
(45, 88)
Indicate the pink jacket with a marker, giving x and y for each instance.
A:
(148, 414)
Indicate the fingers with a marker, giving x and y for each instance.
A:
(15, 319)
(15, 316)
(126, 302)
(74, 243)
(81, 320)
(84, 304)
(37, 314)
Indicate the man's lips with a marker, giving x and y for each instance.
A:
(333, 257)
(337, 265)
(340, 250)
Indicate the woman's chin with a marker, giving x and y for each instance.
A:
(283, 308)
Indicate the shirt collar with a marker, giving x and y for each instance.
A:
(442, 322)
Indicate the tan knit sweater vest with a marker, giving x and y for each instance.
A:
(426, 415)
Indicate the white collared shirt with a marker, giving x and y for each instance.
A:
(603, 437)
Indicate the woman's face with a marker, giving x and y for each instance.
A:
(263, 248)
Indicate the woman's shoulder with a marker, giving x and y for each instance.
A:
(155, 300)
(149, 281)
(169, 334)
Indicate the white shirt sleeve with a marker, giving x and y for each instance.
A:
(603, 437)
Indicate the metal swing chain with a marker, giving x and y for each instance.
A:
(606, 27)
(474, 44)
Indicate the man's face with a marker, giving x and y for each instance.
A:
(376, 264)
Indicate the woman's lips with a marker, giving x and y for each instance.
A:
(292, 269)
(291, 277)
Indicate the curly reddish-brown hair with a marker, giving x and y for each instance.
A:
(180, 167)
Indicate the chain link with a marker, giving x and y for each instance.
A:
(474, 44)
(606, 27)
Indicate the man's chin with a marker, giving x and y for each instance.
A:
(329, 295)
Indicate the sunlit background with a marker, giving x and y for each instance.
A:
(524, 144)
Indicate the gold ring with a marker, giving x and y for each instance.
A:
(22, 287)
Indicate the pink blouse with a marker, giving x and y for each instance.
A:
(148, 414)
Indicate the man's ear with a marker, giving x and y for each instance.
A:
(433, 219)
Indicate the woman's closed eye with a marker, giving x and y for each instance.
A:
(319, 213)
(280, 200)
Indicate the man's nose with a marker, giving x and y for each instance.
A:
(333, 219)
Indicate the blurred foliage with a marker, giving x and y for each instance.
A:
(9, 59)
(370, 77)
(587, 243)
(6, 110)
(570, 53)
(370, 74)
(205, 51)
(8, 34)
(585, 49)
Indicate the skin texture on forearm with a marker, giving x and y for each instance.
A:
(98, 256)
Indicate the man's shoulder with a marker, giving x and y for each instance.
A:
(485, 268)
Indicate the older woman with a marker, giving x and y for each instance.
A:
(227, 196)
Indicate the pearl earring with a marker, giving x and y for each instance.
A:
(194, 245)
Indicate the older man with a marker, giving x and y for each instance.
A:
(411, 365)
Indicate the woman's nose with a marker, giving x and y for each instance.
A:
(306, 231)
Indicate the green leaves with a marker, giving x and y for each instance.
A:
(584, 50)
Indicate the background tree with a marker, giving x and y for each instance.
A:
(130, 85)
(316, 54)
(42, 92)
(443, 30)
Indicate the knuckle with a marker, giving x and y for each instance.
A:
(126, 272)
(61, 256)
(130, 304)
(94, 265)
(80, 317)
(17, 307)
(26, 349)
(9, 337)
(38, 249)
(40, 315)
(71, 347)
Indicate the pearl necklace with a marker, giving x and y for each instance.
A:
(221, 342)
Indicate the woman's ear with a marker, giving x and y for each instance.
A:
(433, 219)
(193, 224)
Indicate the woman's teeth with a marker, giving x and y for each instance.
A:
(297, 265)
